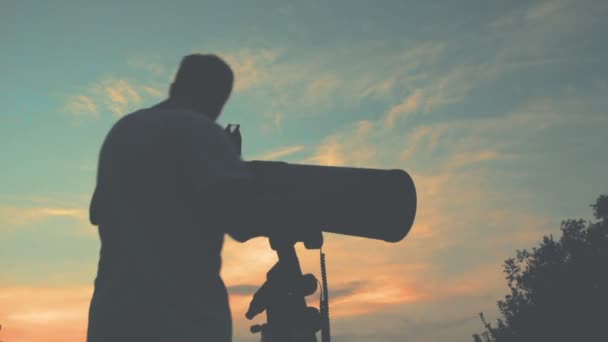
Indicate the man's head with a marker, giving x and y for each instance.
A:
(203, 82)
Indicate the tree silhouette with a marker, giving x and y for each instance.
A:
(559, 290)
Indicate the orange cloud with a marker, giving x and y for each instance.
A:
(116, 95)
(120, 95)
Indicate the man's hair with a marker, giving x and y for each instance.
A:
(204, 80)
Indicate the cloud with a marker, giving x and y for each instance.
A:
(251, 67)
(329, 153)
(304, 84)
(323, 87)
(447, 88)
(516, 41)
(457, 161)
(243, 289)
(473, 211)
(349, 146)
(148, 64)
(246, 263)
(280, 153)
(346, 290)
(119, 95)
(410, 104)
(278, 120)
(545, 8)
(297, 85)
(44, 314)
(382, 89)
(13, 216)
(423, 139)
(48, 316)
(452, 144)
(115, 95)
(81, 106)
(402, 69)
(273, 122)
(403, 326)
(450, 254)
(375, 298)
(154, 92)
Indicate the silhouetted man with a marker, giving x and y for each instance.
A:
(158, 204)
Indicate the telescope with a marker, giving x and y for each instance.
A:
(361, 202)
(368, 203)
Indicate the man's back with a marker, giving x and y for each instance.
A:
(158, 276)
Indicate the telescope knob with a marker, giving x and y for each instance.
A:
(307, 285)
(313, 319)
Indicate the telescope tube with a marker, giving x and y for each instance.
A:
(370, 203)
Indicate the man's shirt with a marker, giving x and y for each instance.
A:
(158, 273)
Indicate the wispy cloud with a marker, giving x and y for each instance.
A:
(347, 147)
(251, 66)
(329, 153)
(278, 120)
(475, 207)
(152, 91)
(114, 95)
(382, 89)
(148, 64)
(82, 106)
(454, 166)
(323, 87)
(410, 104)
(119, 95)
(447, 88)
(243, 289)
(546, 8)
(457, 161)
(279, 153)
(13, 216)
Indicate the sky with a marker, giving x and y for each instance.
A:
(497, 109)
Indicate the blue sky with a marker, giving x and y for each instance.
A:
(497, 110)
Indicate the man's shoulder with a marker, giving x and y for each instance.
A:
(166, 119)
(172, 116)
(183, 124)
(154, 114)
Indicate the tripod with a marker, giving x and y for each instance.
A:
(283, 294)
